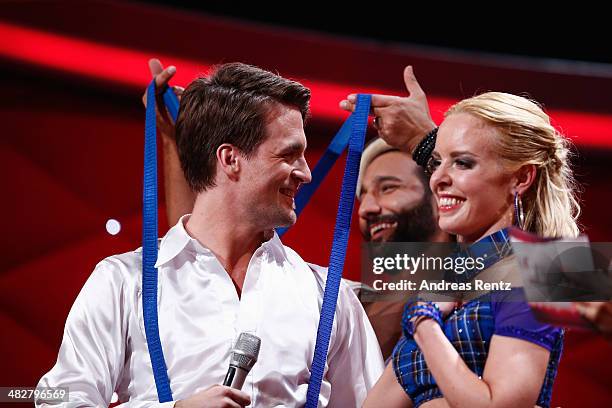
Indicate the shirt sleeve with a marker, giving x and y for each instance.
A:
(514, 318)
(355, 361)
(93, 348)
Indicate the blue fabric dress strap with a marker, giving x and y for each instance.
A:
(359, 124)
(149, 252)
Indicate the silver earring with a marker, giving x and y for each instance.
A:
(519, 215)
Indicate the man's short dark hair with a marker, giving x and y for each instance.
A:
(230, 105)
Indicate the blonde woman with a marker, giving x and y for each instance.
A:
(496, 162)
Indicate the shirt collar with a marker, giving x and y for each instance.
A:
(173, 242)
(177, 238)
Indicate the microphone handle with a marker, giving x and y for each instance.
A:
(235, 377)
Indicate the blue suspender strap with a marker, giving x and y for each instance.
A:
(149, 252)
(325, 163)
(338, 253)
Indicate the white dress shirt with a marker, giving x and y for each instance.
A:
(200, 317)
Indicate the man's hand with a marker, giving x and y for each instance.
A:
(401, 121)
(162, 76)
(216, 396)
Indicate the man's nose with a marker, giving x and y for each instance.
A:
(303, 172)
(368, 206)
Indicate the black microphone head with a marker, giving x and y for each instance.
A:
(246, 351)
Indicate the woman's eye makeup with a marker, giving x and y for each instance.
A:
(460, 162)
(432, 165)
(465, 163)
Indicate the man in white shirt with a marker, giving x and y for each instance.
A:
(222, 271)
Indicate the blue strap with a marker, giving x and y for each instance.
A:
(322, 168)
(172, 103)
(149, 252)
(341, 235)
(352, 133)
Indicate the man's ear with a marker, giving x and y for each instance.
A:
(524, 178)
(228, 159)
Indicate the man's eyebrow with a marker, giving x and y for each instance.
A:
(378, 180)
(382, 179)
(292, 148)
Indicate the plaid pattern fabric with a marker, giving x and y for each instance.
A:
(491, 249)
(469, 329)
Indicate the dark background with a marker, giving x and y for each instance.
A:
(564, 32)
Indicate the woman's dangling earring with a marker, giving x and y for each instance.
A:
(519, 215)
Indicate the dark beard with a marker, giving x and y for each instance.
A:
(414, 225)
(417, 224)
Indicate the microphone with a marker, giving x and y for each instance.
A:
(244, 356)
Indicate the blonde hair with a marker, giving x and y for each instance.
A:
(526, 137)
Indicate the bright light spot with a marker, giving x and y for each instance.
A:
(113, 227)
(115, 397)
